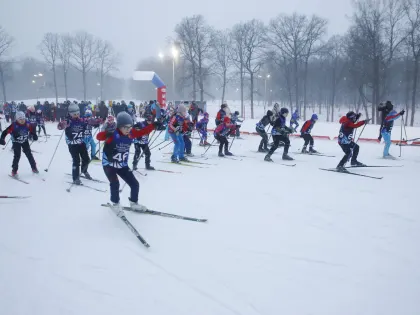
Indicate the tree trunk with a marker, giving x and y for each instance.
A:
(194, 82)
(407, 87)
(55, 84)
(296, 84)
(333, 93)
(305, 74)
(242, 90)
(102, 86)
(252, 94)
(3, 84)
(414, 91)
(84, 84)
(65, 84)
(224, 86)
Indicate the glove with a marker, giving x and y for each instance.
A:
(380, 138)
(402, 112)
(35, 137)
(367, 120)
(157, 124)
(2, 142)
(358, 115)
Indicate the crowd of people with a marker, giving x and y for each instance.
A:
(117, 126)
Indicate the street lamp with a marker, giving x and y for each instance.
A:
(265, 90)
(40, 74)
(161, 55)
(174, 56)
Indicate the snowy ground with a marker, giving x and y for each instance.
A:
(280, 240)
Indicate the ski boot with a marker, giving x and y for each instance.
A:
(87, 175)
(189, 154)
(227, 153)
(183, 159)
(134, 166)
(116, 207)
(137, 206)
(94, 158)
(357, 163)
(304, 151)
(14, 174)
(389, 157)
(341, 169)
(267, 158)
(174, 159)
(148, 167)
(77, 182)
(312, 151)
(201, 144)
(35, 171)
(261, 150)
(206, 143)
(286, 157)
(221, 154)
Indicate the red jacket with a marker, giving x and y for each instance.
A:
(134, 133)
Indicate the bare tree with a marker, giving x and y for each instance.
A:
(253, 52)
(84, 55)
(107, 61)
(287, 34)
(336, 53)
(237, 55)
(6, 42)
(315, 30)
(194, 37)
(49, 49)
(220, 46)
(412, 11)
(64, 54)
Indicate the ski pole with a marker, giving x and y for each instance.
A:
(232, 143)
(7, 143)
(208, 147)
(402, 123)
(166, 145)
(55, 151)
(158, 144)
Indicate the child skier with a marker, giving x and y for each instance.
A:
(20, 130)
(294, 120)
(305, 133)
(175, 127)
(260, 128)
(40, 122)
(234, 119)
(118, 139)
(75, 131)
(387, 125)
(201, 127)
(224, 111)
(31, 113)
(221, 133)
(89, 140)
(346, 141)
(142, 143)
(187, 129)
(281, 133)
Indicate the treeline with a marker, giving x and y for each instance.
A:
(75, 65)
(292, 60)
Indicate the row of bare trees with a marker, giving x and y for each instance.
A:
(81, 51)
(362, 62)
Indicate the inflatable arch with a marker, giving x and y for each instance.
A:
(157, 82)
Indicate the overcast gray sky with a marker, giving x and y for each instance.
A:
(138, 28)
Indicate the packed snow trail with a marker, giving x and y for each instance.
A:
(279, 240)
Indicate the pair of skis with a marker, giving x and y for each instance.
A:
(152, 212)
(357, 174)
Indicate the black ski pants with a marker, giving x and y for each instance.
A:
(146, 150)
(79, 152)
(351, 150)
(308, 140)
(17, 149)
(223, 141)
(126, 175)
(277, 140)
(264, 140)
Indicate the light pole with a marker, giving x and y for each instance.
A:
(174, 55)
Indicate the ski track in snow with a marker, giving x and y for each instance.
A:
(279, 240)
